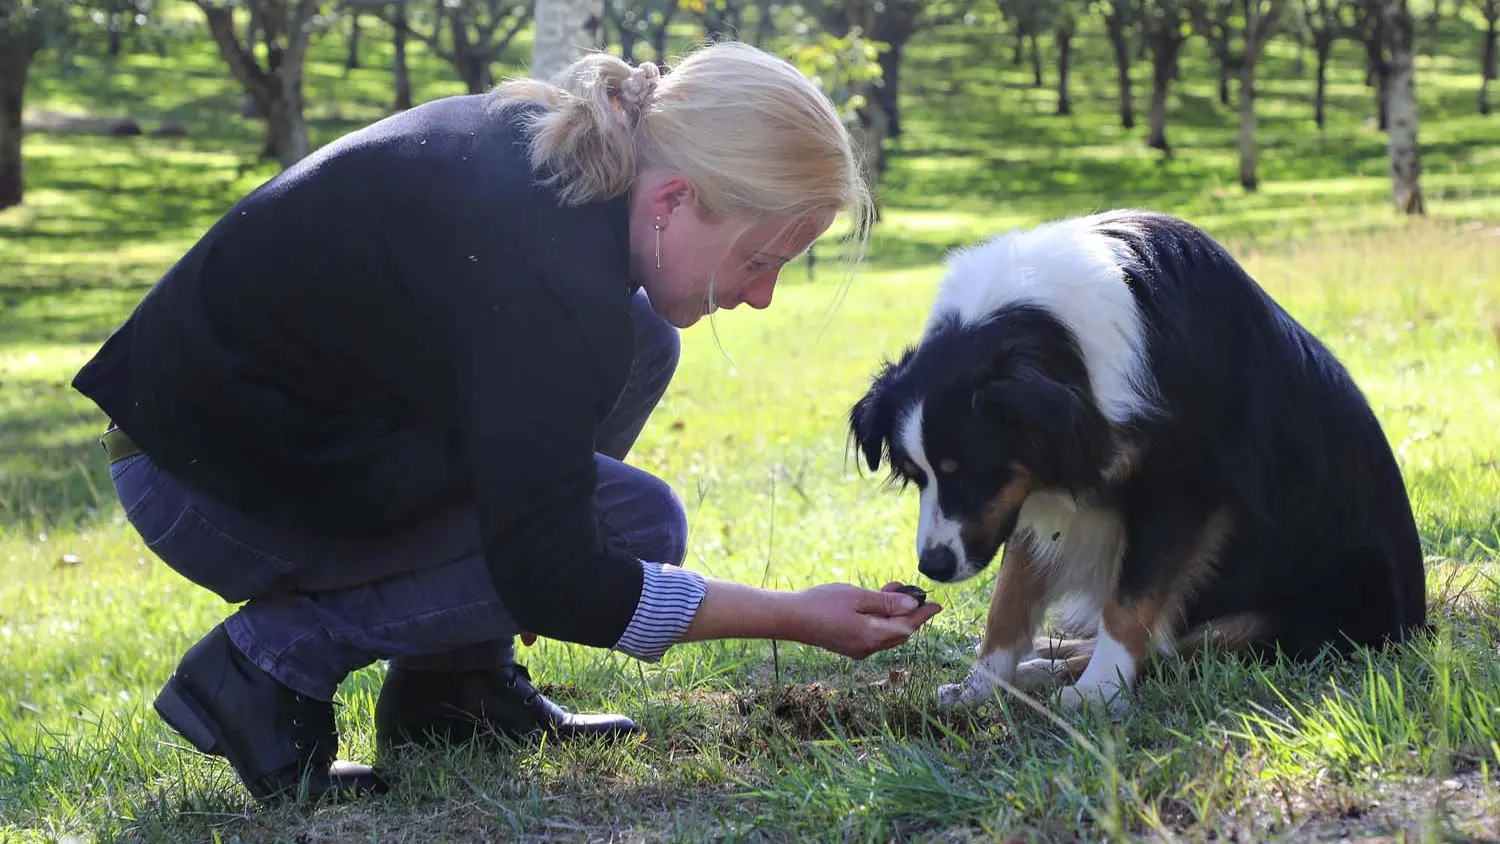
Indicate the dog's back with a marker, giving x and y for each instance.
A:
(1324, 546)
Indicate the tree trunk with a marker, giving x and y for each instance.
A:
(1320, 95)
(1116, 27)
(15, 63)
(563, 31)
(1487, 59)
(629, 38)
(765, 22)
(1226, 70)
(659, 32)
(475, 69)
(1064, 52)
(277, 89)
(1161, 78)
(887, 93)
(248, 106)
(1433, 19)
(399, 70)
(286, 128)
(1036, 61)
(870, 135)
(1247, 125)
(1020, 52)
(1377, 71)
(1406, 165)
(351, 62)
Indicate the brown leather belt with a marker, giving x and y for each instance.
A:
(117, 445)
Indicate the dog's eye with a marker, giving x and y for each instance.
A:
(948, 466)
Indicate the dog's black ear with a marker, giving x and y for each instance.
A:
(1053, 428)
(870, 419)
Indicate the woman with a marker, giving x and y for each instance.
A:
(386, 399)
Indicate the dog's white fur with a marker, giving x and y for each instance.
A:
(1074, 271)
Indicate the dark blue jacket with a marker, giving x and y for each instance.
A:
(400, 322)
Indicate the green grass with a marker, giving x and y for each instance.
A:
(802, 745)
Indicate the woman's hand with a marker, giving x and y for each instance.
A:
(857, 622)
(837, 617)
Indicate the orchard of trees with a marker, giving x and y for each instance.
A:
(854, 47)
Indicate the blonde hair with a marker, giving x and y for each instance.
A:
(753, 134)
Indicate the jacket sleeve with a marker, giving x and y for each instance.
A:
(529, 400)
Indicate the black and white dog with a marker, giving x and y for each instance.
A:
(1154, 441)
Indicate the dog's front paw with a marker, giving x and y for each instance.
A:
(1107, 696)
(950, 696)
(974, 690)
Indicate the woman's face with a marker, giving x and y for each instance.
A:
(707, 264)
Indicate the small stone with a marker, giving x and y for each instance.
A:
(69, 560)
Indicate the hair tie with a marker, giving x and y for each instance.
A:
(636, 90)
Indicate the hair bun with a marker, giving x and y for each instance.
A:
(635, 92)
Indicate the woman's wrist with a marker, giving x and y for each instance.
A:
(739, 611)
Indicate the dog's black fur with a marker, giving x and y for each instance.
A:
(1253, 417)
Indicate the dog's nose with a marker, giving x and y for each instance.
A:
(938, 562)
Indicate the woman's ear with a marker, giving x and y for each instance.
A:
(670, 193)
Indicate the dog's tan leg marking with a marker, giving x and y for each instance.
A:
(1016, 608)
(1052, 647)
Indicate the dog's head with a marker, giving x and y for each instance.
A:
(979, 417)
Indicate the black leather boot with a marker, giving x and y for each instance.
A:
(281, 743)
(453, 707)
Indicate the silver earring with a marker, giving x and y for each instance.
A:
(658, 243)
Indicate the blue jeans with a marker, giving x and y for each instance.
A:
(318, 608)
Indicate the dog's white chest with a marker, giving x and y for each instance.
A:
(1076, 544)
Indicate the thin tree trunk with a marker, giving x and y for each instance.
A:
(351, 62)
(1488, 58)
(1247, 126)
(248, 106)
(1064, 53)
(1036, 61)
(659, 33)
(1226, 70)
(765, 22)
(287, 128)
(1377, 71)
(15, 64)
(399, 70)
(1406, 165)
(1320, 95)
(1161, 79)
(887, 93)
(1116, 28)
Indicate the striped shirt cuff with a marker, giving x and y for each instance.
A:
(669, 599)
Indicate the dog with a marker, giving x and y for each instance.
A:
(1156, 444)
